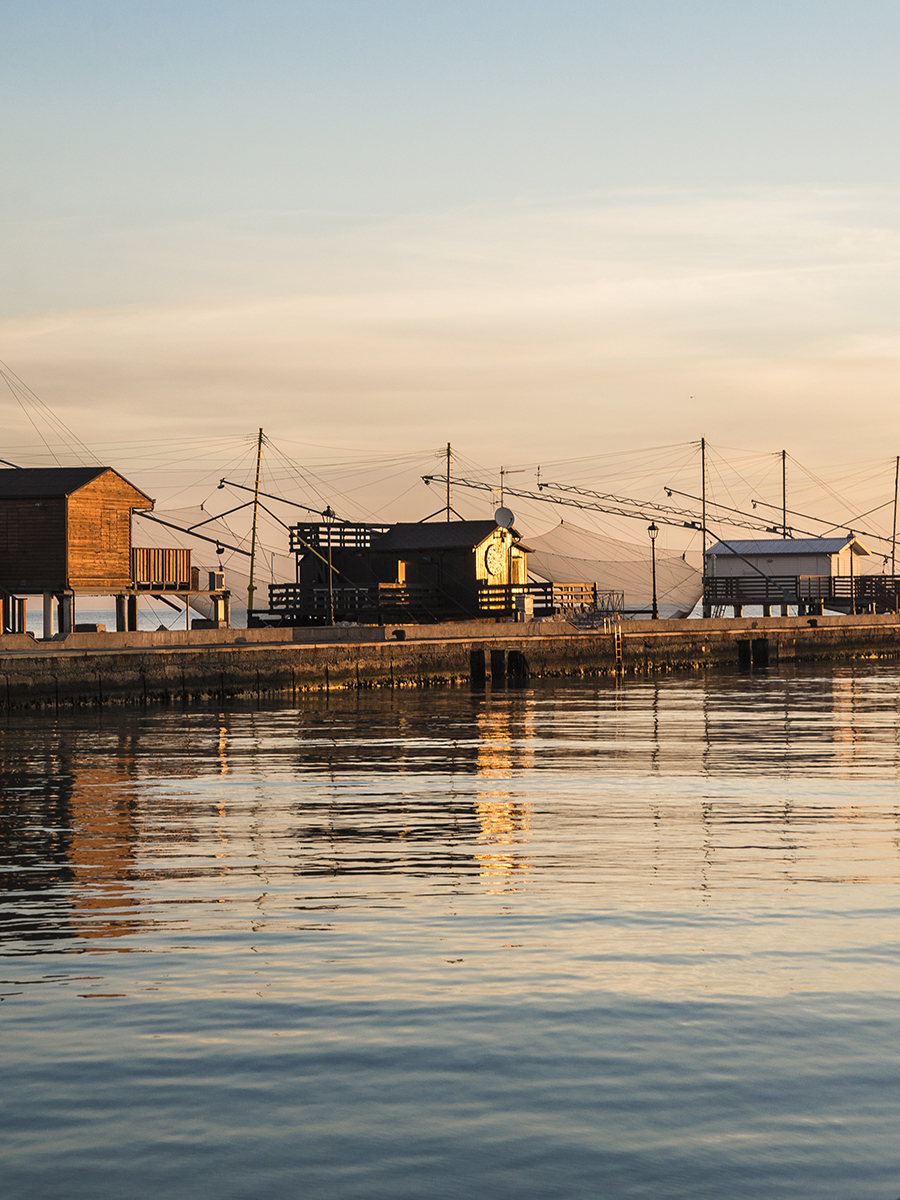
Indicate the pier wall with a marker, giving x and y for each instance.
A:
(216, 665)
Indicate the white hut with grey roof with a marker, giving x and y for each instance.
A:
(801, 571)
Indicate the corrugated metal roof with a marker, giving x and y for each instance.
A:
(47, 482)
(437, 535)
(769, 547)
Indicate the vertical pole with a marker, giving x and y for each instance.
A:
(707, 610)
(703, 495)
(330, 585)
(653, 561)
(448, 481)
(894, 531)
(852, 581)
(329, 516)
(251, 587)
(784, 524)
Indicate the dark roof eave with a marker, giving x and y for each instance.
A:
(55, 483)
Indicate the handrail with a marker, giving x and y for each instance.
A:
(302, 601)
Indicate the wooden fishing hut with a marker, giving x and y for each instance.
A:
(812, 573)
(411, 571)
(66, 531)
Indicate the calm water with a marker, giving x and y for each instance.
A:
(564, 941)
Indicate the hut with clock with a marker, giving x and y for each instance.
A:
(454, 555)
(418, 570)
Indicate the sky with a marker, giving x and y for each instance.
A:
(536, 230)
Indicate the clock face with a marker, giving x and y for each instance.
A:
(493, 559)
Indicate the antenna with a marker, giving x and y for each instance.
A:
(504, 471)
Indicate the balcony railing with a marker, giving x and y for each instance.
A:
(379, 601)
(298, 603)
(843, 592)
(155, 568)
(320, 536)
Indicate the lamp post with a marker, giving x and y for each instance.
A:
(653, 531)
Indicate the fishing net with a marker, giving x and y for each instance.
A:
(568, 554)
(272, 565)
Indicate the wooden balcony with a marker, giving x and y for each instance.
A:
(167, 570)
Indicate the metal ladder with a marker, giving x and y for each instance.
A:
(617, 641)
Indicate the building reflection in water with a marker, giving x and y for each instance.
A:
(505, 750)
(69, 834)
(102, 849)
(685, 784)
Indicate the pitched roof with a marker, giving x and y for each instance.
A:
(769, 547)
(49, 482)
(437, 535)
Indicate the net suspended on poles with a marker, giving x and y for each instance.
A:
(568, 554)
(272, 565)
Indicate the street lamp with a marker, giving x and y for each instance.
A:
(653, 531)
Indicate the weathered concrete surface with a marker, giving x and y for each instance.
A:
(216, 665)
(145, 638)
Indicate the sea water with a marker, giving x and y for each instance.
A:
(571, 940)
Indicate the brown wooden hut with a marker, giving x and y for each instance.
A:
(66, 529)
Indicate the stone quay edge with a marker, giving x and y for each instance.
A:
(216, 665)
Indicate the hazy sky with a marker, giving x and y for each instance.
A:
(534, 229)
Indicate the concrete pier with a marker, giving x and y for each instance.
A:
(218, 664)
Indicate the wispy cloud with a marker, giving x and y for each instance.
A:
(758, 317)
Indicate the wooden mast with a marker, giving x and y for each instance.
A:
(703, 493)
(894, 531)
(707, 610)
(251, 587)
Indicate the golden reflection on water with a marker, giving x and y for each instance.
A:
(671, 795)
(223, 745)
(504, 750)
(101, 853)
(222, 751)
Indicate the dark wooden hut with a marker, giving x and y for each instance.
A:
(420, 571)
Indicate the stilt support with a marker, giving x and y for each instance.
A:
(47, 627)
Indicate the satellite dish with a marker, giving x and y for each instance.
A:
(504, 517)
